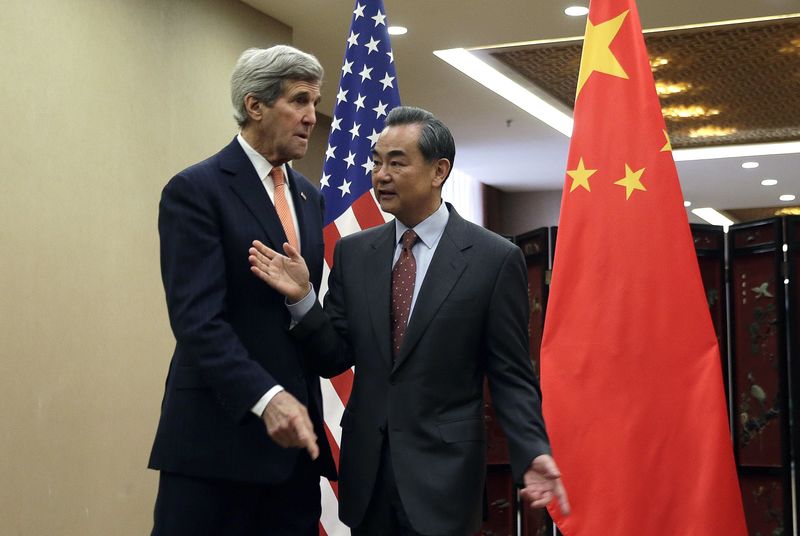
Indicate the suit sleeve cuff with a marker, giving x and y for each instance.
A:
(300, 309)
(261, 405)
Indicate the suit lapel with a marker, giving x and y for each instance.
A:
(378, 287)
(446, 267)
(249, 188)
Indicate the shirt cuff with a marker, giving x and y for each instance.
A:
(300, 309)
(261, 405)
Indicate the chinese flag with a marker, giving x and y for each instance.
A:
(631, 377)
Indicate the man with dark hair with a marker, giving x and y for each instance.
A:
(424, 307)
(240, 443)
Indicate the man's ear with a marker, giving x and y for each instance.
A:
(253, 107)
(442, 170)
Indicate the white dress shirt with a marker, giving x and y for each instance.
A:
(429, 231)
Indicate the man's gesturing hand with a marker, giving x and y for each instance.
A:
(286, 274)
(288, 424)
(543, 484)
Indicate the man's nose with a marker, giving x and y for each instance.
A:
(311, 117)
(380, 174)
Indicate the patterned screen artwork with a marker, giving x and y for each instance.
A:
(759, 383)
(763, 500)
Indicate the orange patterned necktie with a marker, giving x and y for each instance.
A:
(282, 206)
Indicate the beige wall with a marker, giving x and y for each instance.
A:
(311, 164)
(100, 103)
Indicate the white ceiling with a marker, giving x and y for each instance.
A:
(523, 154)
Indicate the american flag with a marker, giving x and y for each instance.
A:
(367, 92)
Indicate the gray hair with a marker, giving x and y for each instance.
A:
(263, 71)
(435, 140)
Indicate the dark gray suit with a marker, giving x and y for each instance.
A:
(469, 321)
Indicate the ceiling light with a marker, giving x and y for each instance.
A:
(397, 30)
(665, 89)
(787, 197)
(687, 203)
(792, 47)
(769, 182)
(750, 165)
(657, 62)
(711, 132)
(508, 89)
(713, 217)
(576, 11)
(684, 112)
(733, 151)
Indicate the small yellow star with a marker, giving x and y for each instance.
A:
(580, 176)
(597, 55)
(631, 181)
(667, 146)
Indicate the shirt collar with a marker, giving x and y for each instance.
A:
(262, 165)
(428, 230)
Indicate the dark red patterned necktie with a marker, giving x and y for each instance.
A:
(404, 274)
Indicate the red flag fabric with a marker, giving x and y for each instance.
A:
(631, 377)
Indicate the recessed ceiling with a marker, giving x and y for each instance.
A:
(718, 85)
(498, 143)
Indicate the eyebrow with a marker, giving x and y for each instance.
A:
(306, 92)
(394, 152)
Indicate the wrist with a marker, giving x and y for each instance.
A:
(302, 293)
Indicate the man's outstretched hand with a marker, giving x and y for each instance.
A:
(288, 274)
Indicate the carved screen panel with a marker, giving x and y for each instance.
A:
(764, 500)
(758, 385)
(759, 374)
(758, 344)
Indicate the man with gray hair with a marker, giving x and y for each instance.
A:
(240, 443)
(425, 307)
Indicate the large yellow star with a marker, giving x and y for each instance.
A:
(597, 55)
(667, 146)
(631, 181)
(580, 176)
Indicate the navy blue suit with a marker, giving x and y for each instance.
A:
(231, 330)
